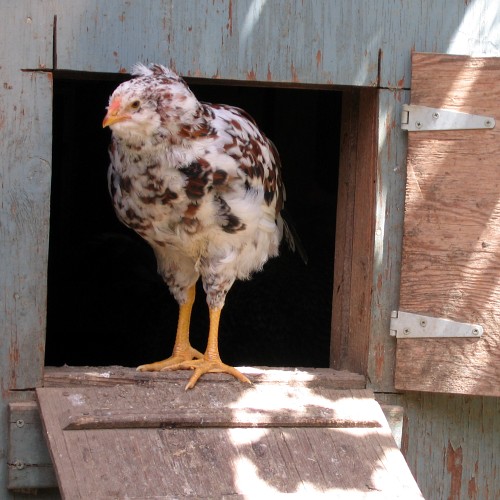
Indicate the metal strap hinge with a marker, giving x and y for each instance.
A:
(409, 325)
(420, 118)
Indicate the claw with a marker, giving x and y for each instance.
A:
(172, 362)
(185, 357)
(202, 366)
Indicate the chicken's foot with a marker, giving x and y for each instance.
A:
(210, 362)
(182, 351)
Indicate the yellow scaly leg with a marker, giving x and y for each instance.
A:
(210, 362)
(182, 348)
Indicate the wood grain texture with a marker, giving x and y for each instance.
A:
(389, 209)
(25, 164)
(68, 376)
(451, 445)
(380, 192)
(29, 463)
(352, 456)
(341, 42)
(342, 277)
(364, 232)
(226, 405)
(26, 137)
(351, 311)
(451, 252)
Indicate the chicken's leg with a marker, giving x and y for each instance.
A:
(210, 362)
(182, 348)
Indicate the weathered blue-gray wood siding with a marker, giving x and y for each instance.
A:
(25, 164)
(452, 445)
(336, 42)
(342, 42)
(389, 212)
(25, 121)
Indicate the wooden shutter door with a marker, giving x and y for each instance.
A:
(451, 246)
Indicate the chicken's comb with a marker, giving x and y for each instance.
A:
(140, 69)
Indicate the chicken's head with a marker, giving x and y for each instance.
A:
(156, 101)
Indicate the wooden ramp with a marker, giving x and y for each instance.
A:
(117, 433)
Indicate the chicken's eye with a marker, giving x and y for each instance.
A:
(135, 104)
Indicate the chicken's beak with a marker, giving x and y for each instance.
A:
(110, 120)
(113, 115)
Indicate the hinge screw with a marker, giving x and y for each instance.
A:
(418, 124)
(435, 115)
(406, 331)
(19, 465)
(487, 123)
(20, 423)
(475, 331)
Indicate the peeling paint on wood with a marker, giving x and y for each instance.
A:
(335, 42)
(451, 445)
(389, 210)
(454, 466)
(29, 463)
(25, 122)
(25, 189)
(25, 225)
(338, 42)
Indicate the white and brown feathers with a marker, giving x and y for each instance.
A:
(200, 182)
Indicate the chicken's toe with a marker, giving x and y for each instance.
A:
(204, 365)
(174, 362)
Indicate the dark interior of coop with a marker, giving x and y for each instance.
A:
(106, 303)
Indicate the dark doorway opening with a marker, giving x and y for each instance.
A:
(106, 303)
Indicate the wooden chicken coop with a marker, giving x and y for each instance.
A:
(387, 118)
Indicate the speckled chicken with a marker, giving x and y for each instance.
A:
(202, 185)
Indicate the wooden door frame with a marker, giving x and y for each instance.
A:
(355, 231)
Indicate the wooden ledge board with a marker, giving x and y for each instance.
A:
(116, 433)
(111, 375)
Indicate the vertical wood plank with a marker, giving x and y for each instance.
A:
(24, 228)
(389, 211)
(364, 232)
(344, 227)
(26, 138)
(451, 444)
(355, 231)
(25, 143)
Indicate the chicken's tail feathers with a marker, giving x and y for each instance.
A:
(292, 236)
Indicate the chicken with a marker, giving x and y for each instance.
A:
(202, 185)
